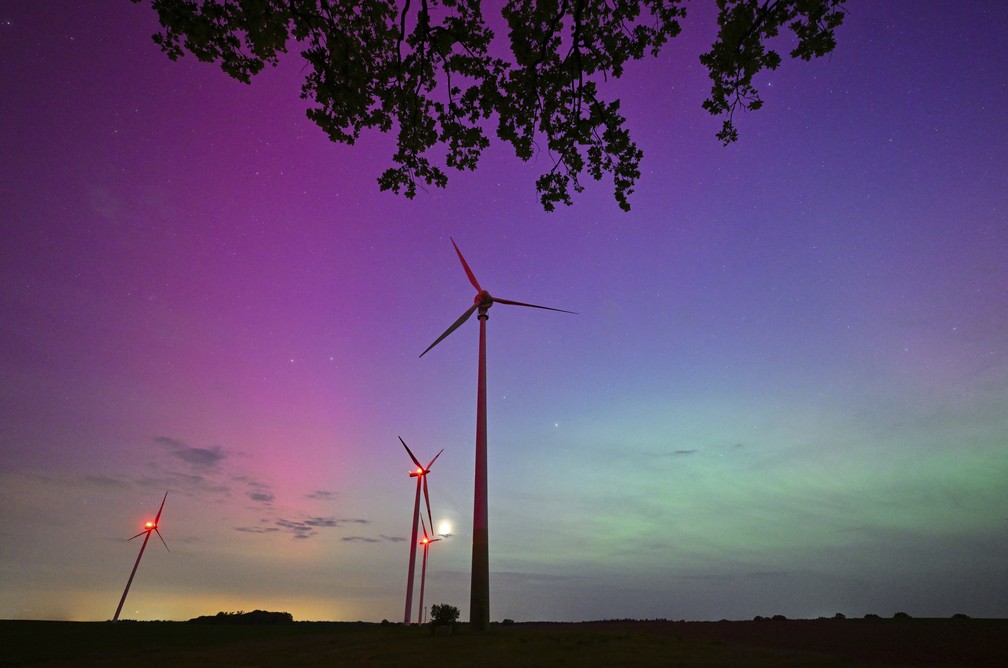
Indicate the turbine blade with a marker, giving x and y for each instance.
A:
(514, 303)
(162, 539)
(415, 461)
(465, 265)
(456, 325)
(434, 460)
(158, 516)
(426, 496)
(138, 535)
(424, 526)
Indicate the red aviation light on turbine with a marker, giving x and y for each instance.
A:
(150, 525)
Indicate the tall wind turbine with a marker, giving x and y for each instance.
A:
(148, 528)
(425, 541)
(420, 473)
(479, 595)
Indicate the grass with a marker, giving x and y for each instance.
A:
(27, 643)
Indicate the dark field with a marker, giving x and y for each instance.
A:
(854, 642)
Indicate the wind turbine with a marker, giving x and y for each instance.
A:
(479, 595)
(421, 475)
(148, 528)
(425, 541)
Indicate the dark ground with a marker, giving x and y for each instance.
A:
(854, 642)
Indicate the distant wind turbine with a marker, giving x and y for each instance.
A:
(420, 473)
(148, 528)
(479, 596)
(425, 541)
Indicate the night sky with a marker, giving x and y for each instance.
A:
(785, 391)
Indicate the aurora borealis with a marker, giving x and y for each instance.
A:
(784, 392)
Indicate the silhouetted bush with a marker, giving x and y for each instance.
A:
(507, 622)
(901, 615)
(779, 618)
(839, 615)
(759, 618)
(442, 614)
(872, 615)
(254, 617)
(960, 615)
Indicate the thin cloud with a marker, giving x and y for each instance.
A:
(197, 457)
(685, 452)
(257, 529)
(332, 521)
(359, 539)
(259, 492)
(392, 539)
(326, 522)
(175, 480)
(300, 530)
(307, 528)
(673, 453)
(321, 495)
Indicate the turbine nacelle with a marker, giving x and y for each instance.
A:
(483, 300)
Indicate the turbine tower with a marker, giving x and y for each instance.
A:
(420, 473)
(425, 541)
(479, 596)
(148, 528)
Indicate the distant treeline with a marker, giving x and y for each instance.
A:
(254, 617)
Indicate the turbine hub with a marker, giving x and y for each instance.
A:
(483, 299)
